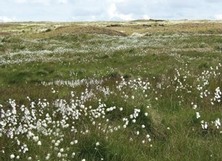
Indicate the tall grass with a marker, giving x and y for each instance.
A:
(102, 95)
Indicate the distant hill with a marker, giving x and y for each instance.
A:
(149, 20)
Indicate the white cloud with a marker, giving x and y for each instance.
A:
(118, 1)
(43, 2)
(146, 17)
(20, 1)
(218, 17)
(89, 10)
(113, 13)
(6, 19)
(62, 1)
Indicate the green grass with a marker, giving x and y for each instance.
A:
(122, 97)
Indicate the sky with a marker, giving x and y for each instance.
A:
(108, 10)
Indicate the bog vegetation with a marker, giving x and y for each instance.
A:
(112, 91)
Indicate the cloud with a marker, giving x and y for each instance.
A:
(63, 1)
(20, 1)
(213, 1)
(92, 10)
(113, 13)
(6, 19)
(42, 2)
(218, 17)
(146, 17)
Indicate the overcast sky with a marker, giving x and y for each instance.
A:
(92, 10)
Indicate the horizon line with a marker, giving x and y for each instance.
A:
(82, 21)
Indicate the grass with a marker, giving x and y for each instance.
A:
(113, 91)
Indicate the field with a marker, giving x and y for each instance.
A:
(113, 91)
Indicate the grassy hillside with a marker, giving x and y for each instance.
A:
(112, 91)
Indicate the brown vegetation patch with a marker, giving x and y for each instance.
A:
(4, 33)
(89, 30)
(114, 25)
(210, 28)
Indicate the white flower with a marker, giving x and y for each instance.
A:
(217, 123)
(147, 136)
(53, 91)
(57, 144)
(204, 125)
(47, 157)
(83, 159)
(97, 143)
(59, 155)
(131, 116)
(39, 143)
(35, 138)
(197, 115)
(194, 106)
(75, 141)
(12, 156)
(73, 154)
(137, 132)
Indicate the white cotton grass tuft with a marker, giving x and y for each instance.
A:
(197, 115)
(12, 156)
(97, 143)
